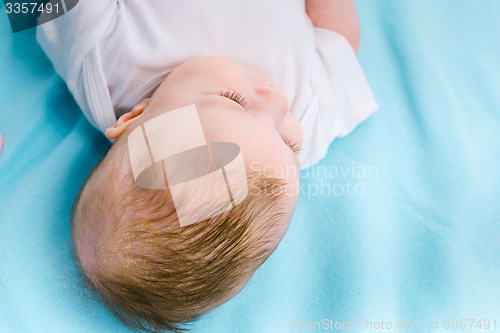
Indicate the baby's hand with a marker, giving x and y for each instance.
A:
(336, 15)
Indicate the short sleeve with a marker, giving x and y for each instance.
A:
(70, 41)
(342, 96)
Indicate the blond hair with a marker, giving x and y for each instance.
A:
(150, 272)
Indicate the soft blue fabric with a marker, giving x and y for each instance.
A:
(399, 223)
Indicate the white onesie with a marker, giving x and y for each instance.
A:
(114, 53)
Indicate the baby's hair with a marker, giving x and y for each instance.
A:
(153, 274)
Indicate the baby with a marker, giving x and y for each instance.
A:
(274, 77)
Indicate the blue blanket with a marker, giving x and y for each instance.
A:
(400, 223)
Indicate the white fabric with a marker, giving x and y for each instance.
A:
(113, 54)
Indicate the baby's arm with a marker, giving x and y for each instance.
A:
(337, 15)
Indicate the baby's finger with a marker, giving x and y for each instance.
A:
(1, 143)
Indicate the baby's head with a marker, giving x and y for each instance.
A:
(153, 273)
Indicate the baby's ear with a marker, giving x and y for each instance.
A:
(125, 120)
